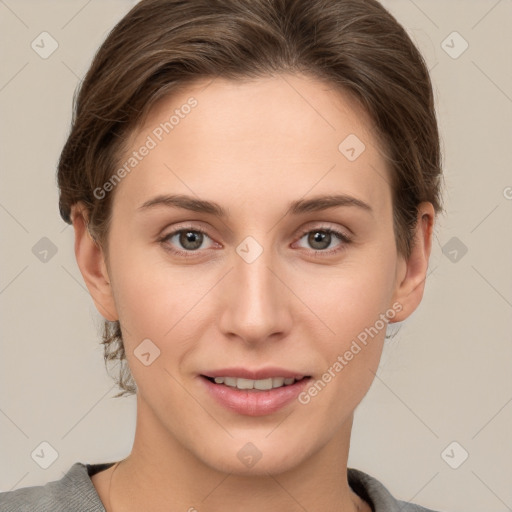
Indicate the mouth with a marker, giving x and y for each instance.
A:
(273, 390)
(256, 384)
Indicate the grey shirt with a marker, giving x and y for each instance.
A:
(75, 492)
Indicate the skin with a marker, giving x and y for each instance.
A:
(253, 147)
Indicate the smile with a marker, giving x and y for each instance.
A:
(260, 384)
(254, 397)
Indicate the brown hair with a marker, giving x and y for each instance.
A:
(161, 46)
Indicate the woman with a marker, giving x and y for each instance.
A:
(253, 186)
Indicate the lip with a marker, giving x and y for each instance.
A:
(252, 402)
(262, 373)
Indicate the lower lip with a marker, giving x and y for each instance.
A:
(254, 402)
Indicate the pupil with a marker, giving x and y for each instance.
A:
(320, 236)
(187, 237)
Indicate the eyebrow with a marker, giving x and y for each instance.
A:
(301, 206)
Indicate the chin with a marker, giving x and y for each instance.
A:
(258, 458)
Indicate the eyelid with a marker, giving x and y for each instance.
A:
(326, 226)
(338, 232)
(184, 227)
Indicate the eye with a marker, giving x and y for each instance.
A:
(188, 241)
(320, 239)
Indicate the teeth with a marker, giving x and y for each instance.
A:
(230, 381)
(245, 383)
(261, 384)
(277, 382)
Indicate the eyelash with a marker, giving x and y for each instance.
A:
(191, 254)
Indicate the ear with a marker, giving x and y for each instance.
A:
(91, 261)
(412, 273)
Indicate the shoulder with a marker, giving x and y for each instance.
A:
(74, 491)
(375, 493)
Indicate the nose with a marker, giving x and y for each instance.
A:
(256, 300)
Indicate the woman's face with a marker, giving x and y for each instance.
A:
(263, 291)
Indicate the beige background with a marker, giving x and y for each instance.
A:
(446, 376)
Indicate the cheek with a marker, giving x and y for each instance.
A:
(353, 342)
(354, 307)
(353, 298)
(153, 296)
(157, 300)
(153, 305)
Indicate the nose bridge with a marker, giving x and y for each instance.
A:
(256, 302)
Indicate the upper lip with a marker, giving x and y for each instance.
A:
(256, 374)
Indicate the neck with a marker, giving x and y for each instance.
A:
(160, 471)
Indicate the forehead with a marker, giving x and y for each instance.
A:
(290, 133)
